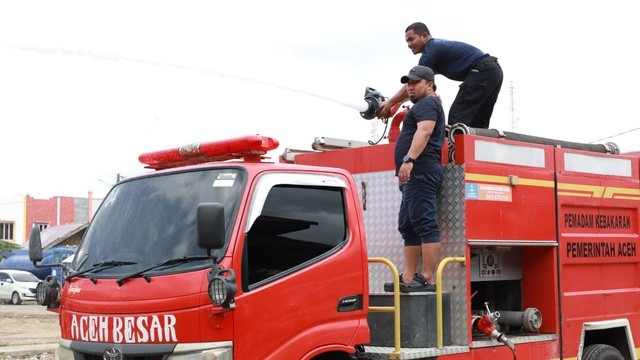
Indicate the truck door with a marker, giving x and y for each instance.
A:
(303, 269)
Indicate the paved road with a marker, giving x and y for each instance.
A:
(27, 308)
(27, 331)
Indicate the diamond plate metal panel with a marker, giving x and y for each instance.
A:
(379, 353)
(381, 201)
(451, 205)
(451, 217)
(516, 339)
(454, 282)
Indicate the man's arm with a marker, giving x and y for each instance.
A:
(421, 137)
(419, 142)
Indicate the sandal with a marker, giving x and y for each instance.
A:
(418, 284)
(388, 287)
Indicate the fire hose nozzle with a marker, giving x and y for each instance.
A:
(498, 336)
(486, 324)
(373, 98)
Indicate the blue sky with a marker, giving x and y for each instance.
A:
(88, 86)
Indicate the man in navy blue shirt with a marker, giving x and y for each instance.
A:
(419, 171)
(480, 73)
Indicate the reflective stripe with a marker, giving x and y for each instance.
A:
(597, 165)
(509, 154)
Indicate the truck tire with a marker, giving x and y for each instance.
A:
(601, 352)
(15, 298)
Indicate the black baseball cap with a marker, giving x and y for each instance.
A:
(419, 72)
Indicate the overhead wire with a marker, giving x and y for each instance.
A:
(612, 136)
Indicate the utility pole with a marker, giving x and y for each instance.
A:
(512, 108)
(374, 129)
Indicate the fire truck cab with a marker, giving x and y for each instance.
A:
(218, 254)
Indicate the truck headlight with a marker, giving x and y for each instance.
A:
(222, 288)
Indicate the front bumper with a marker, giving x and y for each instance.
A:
(222, 350)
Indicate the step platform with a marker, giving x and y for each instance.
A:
(418, 323)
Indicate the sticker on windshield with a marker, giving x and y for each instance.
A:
(225, 180)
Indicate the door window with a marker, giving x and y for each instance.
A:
(297, 226)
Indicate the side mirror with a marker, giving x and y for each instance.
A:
(35, 245)
(35, 251)
(211, 226)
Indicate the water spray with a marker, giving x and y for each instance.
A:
(360, 107)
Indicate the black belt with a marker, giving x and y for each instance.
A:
(485, 57)
(479, 60)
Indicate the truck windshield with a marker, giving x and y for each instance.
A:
(148, 220)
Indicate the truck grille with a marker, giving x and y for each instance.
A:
(99, 357)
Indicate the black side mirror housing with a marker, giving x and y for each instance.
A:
(35, 245)
(211, 226)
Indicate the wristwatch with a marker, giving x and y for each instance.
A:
(407, 159)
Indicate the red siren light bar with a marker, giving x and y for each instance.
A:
(251, 148)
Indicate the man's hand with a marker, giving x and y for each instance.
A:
(405, 172)
(385, 110)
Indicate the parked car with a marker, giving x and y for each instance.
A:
(17, 286)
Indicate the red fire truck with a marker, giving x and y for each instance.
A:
(221, 254)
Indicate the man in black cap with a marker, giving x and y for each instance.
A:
(480, 73)
(419, 171)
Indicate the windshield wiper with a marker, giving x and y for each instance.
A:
(107, 264)
(174, 261)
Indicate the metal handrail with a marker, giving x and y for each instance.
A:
(445, 261)
(396, 305)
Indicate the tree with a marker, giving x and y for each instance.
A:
(6, 246)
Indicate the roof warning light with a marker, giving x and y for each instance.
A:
(251, 148)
